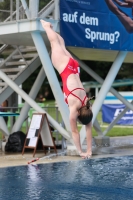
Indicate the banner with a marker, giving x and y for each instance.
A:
(111, 111)
(100, 24)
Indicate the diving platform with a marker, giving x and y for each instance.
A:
(19, 33)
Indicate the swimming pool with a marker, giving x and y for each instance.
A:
(94, 179)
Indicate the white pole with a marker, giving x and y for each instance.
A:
(101, 81)
(33, 7)
(26, 9)
(19, 97)
(52, 78)
(107, 83)
(96, 92)
(26, 107)
(56, 13)
(17, 10)
(11, 9)
(105, 88)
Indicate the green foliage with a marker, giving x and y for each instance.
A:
(120, 131)
(43, 3)
(27, 85)
(4, 6)
(101, 68)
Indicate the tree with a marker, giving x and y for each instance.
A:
(5, 6)
(43, 3)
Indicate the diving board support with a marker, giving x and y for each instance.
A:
(108, 82)
(33, 104)
(97, 127)
(105, 88)
(33, 8)
(101, 81)
(52, 78)
(56, 11)
(34, 91)
(17, 10)
(26, 9)
(50, 73)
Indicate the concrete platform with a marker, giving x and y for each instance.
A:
(19, 33)
(16, 159)
(120, 146)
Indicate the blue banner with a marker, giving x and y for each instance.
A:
(101, 24)
(111, 111)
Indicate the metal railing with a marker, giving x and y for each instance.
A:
(20, 10)
(51, 110)
(10, 15)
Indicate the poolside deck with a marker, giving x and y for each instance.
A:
(119, 146)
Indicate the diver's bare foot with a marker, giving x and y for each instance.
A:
(45, 24)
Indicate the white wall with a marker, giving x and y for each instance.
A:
(111, 99)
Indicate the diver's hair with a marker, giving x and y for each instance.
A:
(85, 113)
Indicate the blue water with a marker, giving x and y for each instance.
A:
(95, 179)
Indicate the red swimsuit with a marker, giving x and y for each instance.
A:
(71, 68)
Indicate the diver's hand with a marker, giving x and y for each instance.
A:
(124, 3)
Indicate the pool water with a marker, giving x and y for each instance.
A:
(94, 179)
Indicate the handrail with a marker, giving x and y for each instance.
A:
(4, 46)
(13, 14)
(49, 5)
